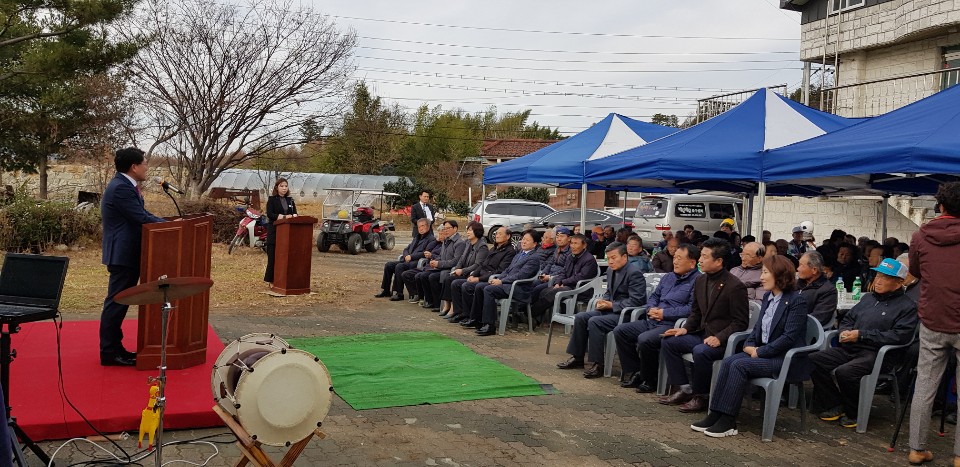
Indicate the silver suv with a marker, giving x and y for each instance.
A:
(501, 212)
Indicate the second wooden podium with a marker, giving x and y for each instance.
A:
(177, 248)
(293, 255)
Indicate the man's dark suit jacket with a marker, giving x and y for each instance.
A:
(418, 245)
(728, 311)
(821, 298)
(788, 329)
(416, 213)
(499, 258)
(522, 266)
(123, 217)
(626, 287)
(576, 269)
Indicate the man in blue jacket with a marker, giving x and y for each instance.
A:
(524, 265)
(638, 342)
(123, 217)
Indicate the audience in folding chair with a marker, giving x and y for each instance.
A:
(626, 287)
(719, 309)
(781, 327)
(638, 342)
(392, 285)
(816, 288)
(409, 276)
(578, 266)
(429, 281)
(462, 291)
(884, 316)
(524, 265)
(474, 254)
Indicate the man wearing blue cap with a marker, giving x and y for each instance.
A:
(884, 316)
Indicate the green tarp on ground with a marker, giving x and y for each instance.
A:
(372, 371)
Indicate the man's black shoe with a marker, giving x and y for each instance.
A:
(429, 306)
(635, 380)
(645, 388)
(382, 294)
(595, 371)
(396, 297)
(128, 354)
(470, 323)
(117, 360)
(486, 330)
(571, 363)
(457, 318)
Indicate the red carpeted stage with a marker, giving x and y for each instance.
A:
(112, 398)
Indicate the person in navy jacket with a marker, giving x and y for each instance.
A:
(638, 342)
(782, 326)
(524, 265)
(123, 217)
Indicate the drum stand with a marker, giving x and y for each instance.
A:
(162, 379)
(252, 453)
(6, 358)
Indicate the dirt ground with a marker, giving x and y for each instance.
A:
(587, 423)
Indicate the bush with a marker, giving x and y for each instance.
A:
(32, 225)
(540, 195)
(460, 208)
(225, 217)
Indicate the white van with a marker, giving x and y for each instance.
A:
(659, 213)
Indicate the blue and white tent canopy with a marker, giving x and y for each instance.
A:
(910, 150)
(562, 163)
(724, 153)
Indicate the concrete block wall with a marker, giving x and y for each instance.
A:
(65, 180)
(570, 199)
(855, 216)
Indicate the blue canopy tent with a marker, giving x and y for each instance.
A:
(910, 150)
(562, 164)
(724, 153)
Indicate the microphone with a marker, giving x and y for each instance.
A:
(166, 186)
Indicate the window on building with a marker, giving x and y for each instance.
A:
(951, 59)
(843, 5)
(553, 191)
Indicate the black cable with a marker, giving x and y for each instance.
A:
(63, 391)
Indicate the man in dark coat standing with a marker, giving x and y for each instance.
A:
(123, 217)
(422, 210)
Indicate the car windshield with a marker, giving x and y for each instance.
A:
(652, 208)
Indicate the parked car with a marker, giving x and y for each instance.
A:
(501, 212)
(659, 213)
(570, 218)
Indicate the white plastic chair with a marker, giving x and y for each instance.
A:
(773, 387)
(652, 280)
(506, 303)
(868, 383)
(732, 342)
(565, 304)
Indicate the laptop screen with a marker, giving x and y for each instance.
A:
(32, 279)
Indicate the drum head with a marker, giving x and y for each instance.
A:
(284, 398)
(233, 361)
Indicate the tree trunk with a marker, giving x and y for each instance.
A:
(42, 172)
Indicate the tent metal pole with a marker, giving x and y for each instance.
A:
(583, 209)
(747, 217)
(483, 197)
(762, 194)
(623, 216)
(883, 231)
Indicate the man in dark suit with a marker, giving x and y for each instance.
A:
(392, 271)
(719, 309)
(580, 265)
(422, 210)
(463, 291)
(123, 217)
(524, 265)
(819, 293)
(626, 287)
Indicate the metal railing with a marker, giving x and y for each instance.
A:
(872, 98)
(712, 106)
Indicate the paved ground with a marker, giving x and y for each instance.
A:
(589, 423)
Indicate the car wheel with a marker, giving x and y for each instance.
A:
(322, 245)
(374, 243)
(354, 243)
(388, 241)
(515, 240)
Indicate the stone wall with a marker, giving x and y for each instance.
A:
(64, 181)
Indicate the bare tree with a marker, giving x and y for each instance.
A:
(222, 84)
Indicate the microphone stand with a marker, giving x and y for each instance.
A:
(167, 191)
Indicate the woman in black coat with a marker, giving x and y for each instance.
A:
(279, 206)
(781, 326)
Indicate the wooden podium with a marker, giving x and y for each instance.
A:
(179, 248)
(293, 254)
